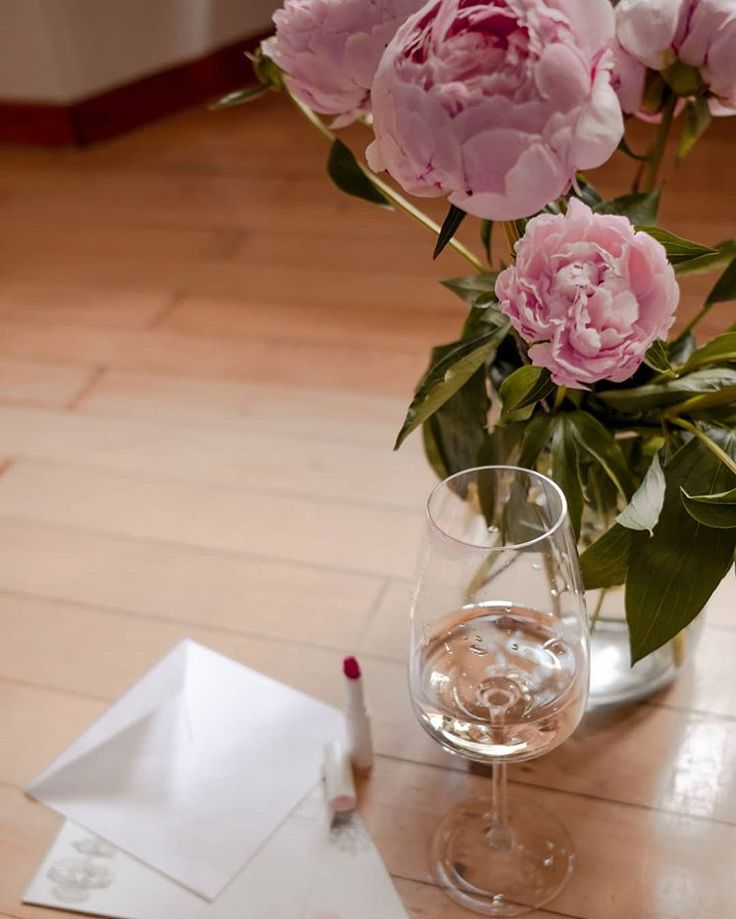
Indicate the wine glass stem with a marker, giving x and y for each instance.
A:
(498, 835)
(499, 800)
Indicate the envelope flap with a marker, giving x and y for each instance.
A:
(159, 686)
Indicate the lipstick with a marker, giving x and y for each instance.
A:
(356, 716)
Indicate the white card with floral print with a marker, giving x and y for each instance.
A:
(306, 870)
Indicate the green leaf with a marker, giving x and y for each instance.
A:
(673, 573)
(717, 351)
(457, 364)
(600, 444)
(626, 149)
(642, 512)
(717, 510)
(481, 319)
(565, 456)
(587, 192)
(678, 250)
(709, 404)
(657, 357)
(658, 395)
(240, 97)
(605, 563)
(486, 231)
(722, 255)
(475, 288)
(697, 120)
(450, 226)
(455, 435)
(521, 391)
(725, 287)
(502, 446)
(345, 172)
(640, 208)
(536, 435)
(681, 348)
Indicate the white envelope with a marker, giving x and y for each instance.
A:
(304, 871)
(193, 768)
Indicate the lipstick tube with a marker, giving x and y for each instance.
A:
(338, 779)
(356, 717)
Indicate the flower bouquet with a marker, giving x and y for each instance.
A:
(565, 362)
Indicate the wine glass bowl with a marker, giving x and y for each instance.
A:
(499, 671)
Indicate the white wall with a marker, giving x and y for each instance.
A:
(64, 50)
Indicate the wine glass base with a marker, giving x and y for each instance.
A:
(513, 874)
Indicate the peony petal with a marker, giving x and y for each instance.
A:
(646, 29)
(719, 65)
(536, 178)
(561, 75)
(628, 76)
(592, 21)
(600, 126)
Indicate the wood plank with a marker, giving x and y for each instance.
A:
(388, 632)
(709, 685)
(350, 366)
(648, 867)
(412, 329)
(40, 827)
(650, 756)
(652, 865)
(147, 242)
(40, 303)
(426, 901)
(392, 286)
(330, 534)
(329, 415)
(721, 609)
(238, 456)
(299, 324)
(189, 586)
(33, 383)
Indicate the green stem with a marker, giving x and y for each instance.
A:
(560, 396)
(709, 442)
(512, 237)
(707, 307)
(393, 196)
(679, 647)
(485, 573)
(705, 400)
(651, 174)
(598, 607)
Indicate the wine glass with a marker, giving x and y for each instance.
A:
(499, 672)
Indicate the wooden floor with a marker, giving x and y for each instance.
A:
(205, 352)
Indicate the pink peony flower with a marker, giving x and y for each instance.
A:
(627, 78)
(589, 294)
(701, 33)
(329, 49)
(496, 102)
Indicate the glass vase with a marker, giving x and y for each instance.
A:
(613, 681)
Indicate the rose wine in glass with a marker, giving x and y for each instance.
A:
(499, 672)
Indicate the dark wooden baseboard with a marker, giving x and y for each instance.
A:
(118, 110)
